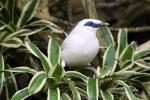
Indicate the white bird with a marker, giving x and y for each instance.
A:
(81, 45)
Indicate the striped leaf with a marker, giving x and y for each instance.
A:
(57, 72)
(37, 82)
(109, 60)
(129, 93)
(75, 93)
(75, 74)
(53, 94)
(65, 97)
(12, 43)
(1, 73)
(10, 5)
(106, 95)
(82, 92)
(36, 52)
(92, 89)
(142, 64)
(105, 36)
(27, 13)
(48, 24)
(53, 52)
(127, 54)
(22, 69)
(15, 34)
(141, 53)
(11, 84)
(122, 40)
(21, 94)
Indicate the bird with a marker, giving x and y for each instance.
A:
(81, 46)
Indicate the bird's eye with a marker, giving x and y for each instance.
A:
(90, 23)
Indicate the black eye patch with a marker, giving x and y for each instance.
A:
(92, 24)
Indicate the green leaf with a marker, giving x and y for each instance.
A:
(106, 95)
(4, 14)
(53, 52)
(103, 72)
(124, 74)
(53, 94)
(11, 84)
(141, 86)
(36, 52)
(142, 78)
(105, 37)
(122, 40)
(141, 53)
(82, 92)
(142, 64)
(65, 97)
(57, 72)
(31, 32)
(27, 13)
(48, 24)
(109, 60)
(76, 94)
(37, 82)
(21, 94)
(15, 34)
(127, 54)
(12, 43)
(10, 4)
(129, 93)
(75, 74)
(22, 69)
(1, 73)
(92, 89)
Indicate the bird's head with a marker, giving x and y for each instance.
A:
(90, 24)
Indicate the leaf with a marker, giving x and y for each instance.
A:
(27, 13)
(53, 52)
(105, 37)
(53, 94)
(109, 58)
(82, 92)
(48, 24)
(142, 64)
(127, 54)
(11, 84)
(36, 52)
(10, 4)
(124, 74)
(122, 39)
(129, 93)
(141, 86)
(22, 69)
(65, 97)
(57, 72)
(15, 34)
(21, 94)
(31, 32)
(106, 95)
(4, 14)
(1, 73)
(75, 74)
(12, 43)
(141, 53)
(37, 82)
(76, 94)
(103, 72)
(92, 89)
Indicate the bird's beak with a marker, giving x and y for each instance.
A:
(104, 24)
